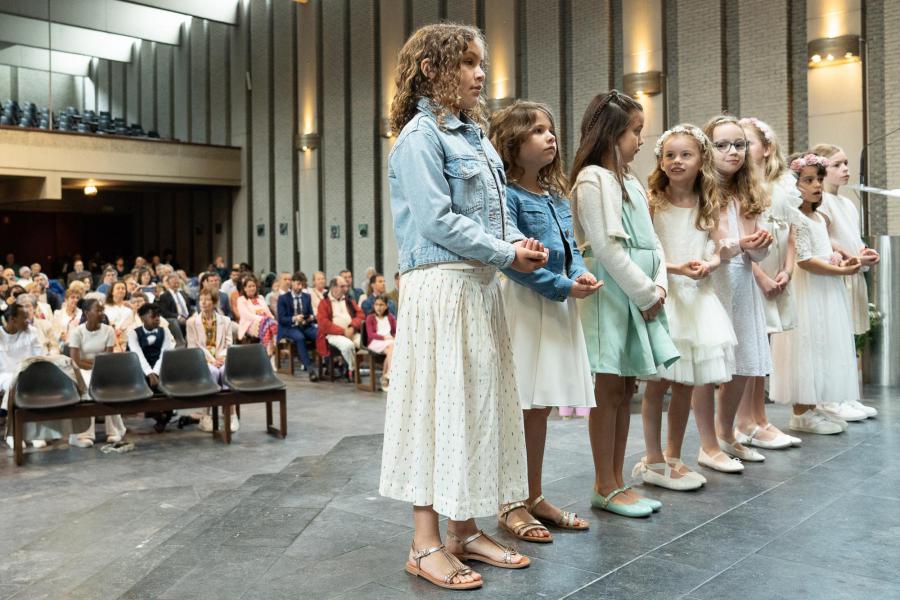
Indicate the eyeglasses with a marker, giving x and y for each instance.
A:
(723, 146)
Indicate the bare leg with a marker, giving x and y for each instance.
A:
(679, 411)
(752, 410)
(704, 405)
(388, 355)
(609, 392)
(729, 399)
(428, 535)
(651, 415)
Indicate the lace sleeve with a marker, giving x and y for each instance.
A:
(803, 241)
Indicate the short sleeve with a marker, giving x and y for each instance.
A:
(75, 340)
(110, 337)
(803, 241)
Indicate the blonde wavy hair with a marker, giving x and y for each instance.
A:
(745, 183)
(444, 44)
(826, 150)
(775, 166)
(706, 184)
(510, 128)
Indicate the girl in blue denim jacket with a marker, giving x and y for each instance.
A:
(453, 441)
(551, 361)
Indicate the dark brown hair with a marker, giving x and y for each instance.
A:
(605, 120)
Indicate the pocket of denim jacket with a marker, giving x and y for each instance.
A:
(533, 223)
(466, 193)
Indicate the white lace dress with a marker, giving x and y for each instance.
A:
(736, 288)
(698, 323)
(818, 356)
(780, 311)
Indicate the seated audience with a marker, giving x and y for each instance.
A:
(234, 276)
(150, 341)
(67, 318)
(296, 321)
(18, 341)
(42, 310)
(43, 328)
(45, 294)
(87, 341)
(25, 276)
(173, 303)
(118, 312)
(219, 267)
(381, 328)
(145, 283)
(318, 290)
(119, 266)
(394, 294)
(377, 285)
(211, 332)
(340, 321)
(211, 281)
(354, 293)
(256, 318)
(131, 285)
(109, 278)
(78, 273)
(136, 302)
(280, 286)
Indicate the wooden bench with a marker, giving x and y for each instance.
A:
(227, 399)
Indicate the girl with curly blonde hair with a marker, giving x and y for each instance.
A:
(744, 241)
(450, 378)
(684, 202)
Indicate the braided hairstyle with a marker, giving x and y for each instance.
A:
(605, 120)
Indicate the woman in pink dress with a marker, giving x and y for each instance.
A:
(255, 317)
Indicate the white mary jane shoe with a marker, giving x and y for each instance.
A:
(747, 454)
(676, 464)
(649, 472)
(744, 439)
(731, 465)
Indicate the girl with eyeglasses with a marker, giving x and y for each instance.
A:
(744, 241)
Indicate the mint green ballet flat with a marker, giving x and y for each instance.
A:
(654, 505)
(636, 510)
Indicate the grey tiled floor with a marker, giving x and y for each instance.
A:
(185, 517)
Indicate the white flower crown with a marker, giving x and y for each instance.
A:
(762, 126)
(808, 160)
(695, 132)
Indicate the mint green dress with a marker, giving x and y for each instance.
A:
(619, 341)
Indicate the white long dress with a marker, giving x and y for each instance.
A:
(818, 355)
(780, 311)
(698, 323)
(843, 229)
(736, 288)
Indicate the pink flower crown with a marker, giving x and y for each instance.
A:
(809, 160)
(762, 126)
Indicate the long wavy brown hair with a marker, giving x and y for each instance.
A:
(605, 120)
(511, 127)
(744, 184)
(706, 184)
(444, 44)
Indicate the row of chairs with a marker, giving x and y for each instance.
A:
(102, 123)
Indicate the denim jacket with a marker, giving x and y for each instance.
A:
(448, 194)
(548, 219)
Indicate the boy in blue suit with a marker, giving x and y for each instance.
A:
(296, 320)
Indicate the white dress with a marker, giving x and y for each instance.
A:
(843, 229)
(819, 355)
(453, 434)
(743, 301)
(781, 311)
(698, 323)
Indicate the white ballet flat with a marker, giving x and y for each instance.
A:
(747, 454)
(795, 441)
(732, 465)
(778, 443)
(649, 473)
(676, 464)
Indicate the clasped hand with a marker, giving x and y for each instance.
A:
(530, 255)
(585, 285)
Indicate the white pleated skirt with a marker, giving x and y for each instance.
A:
(551, 361)
(453, 435)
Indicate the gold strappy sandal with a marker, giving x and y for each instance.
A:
(508, 553)
(567, 520)
(521, 528)
(458, 569)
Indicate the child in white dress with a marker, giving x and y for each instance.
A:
(819, 351)
(844, 231)
(551, 360)
(684, 202)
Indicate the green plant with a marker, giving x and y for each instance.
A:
(864, 339)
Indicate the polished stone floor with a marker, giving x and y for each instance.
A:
(184, 517)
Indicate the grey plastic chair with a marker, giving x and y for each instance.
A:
(248, 369)
(117, 377)
(44, 385)
(184, 374)
(177, 334)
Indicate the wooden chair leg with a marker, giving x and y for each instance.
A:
(226, 433)
(215, 419)
(18, 432)
(282, 405)
(268, 416)
(373, 386)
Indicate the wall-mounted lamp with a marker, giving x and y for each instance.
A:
(648, 83)
(495, 104)
(307, 141)
(90, 189)
(827, 52)
(386, 131)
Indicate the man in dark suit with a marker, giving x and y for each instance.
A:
(296, 320)
(173, 303)
(211, 281)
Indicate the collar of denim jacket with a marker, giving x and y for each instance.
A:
(451, 121)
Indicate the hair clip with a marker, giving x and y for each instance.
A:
(767, 131)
